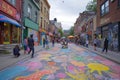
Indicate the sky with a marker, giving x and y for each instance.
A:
(66, 11)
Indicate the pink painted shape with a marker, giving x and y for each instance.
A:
(117, 69)
(34, 65)
(61, 75)
(107, 62)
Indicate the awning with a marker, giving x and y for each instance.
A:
(8, 20)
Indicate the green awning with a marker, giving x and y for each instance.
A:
(31, 24)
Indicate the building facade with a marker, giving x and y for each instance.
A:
(44, 19)
(10, 21)
(30, 15)
(84, 25)
(108, 22)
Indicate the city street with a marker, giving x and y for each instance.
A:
(72, 63)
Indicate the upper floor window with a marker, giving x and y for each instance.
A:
(36, 16)
(118, 2)
(13, 2)
(29, 11)
(41, 6)
(105, 8)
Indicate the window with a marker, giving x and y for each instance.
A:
(13, 2)
(36, 16)
(41, 7)
(105, 8)
(29, 11)
(118, 2)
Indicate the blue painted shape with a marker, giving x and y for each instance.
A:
(11, 72)
(65, 50)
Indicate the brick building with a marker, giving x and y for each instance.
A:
(10, 21)
(108, 22)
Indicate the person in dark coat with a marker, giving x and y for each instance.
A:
(31, 45)
(16, 51)
(105, 45)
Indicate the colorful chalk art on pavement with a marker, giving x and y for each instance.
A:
(74, 63)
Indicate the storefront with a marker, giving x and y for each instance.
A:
(110, 31)
(10, 30)
(31, 28)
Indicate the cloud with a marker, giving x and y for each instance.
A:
(66, 11)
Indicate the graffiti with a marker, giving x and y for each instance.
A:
(77, 64)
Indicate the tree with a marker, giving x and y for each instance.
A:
(92, 6)
(71, 31)
(61, 32)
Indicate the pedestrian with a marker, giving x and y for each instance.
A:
(16, 50)
(31, 45)
(53, 42)
(44, 42)
(95, 43)
(47, 43)
(87, 42)
(25, 44)
(105, 45)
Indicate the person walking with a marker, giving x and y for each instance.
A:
(87, 42)
(105, 45)
(31, 45)
(44, 42)
(25, 44)
(95, 43)
(53, 41)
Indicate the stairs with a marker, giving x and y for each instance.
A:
(7, 49)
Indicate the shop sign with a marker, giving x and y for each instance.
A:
(104, 21)
(5, 7)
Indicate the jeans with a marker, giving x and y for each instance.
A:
(31, 49)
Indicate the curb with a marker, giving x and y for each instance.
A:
(97, 52)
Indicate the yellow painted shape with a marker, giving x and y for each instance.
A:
(45, 56)
(79, 64)
(97, 67)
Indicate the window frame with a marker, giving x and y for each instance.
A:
(29, 11)
(104, 8)
(13, 2)
(118, 3)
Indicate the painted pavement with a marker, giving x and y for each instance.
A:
(73, 63)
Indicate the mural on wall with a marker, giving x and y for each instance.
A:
(78, 64)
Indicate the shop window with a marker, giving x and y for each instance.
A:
(13, 2)
(15, 34)
(119, 3)
(6, 35)
(104, 8)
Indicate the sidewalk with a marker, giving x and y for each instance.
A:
(8, 59)
(113, 56)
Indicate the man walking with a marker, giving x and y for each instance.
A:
(31, 45)
(105, 45)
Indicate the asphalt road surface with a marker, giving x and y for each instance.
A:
(73, 63)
